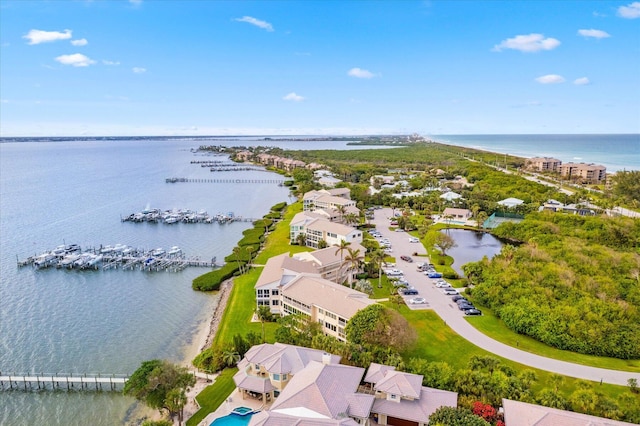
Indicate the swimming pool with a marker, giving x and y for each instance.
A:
(233, 419)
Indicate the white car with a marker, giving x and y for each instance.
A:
(443, 285)
(414, 240)
(450, 291)
(417, 301)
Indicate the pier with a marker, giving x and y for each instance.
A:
(188, 180)
(47, 381)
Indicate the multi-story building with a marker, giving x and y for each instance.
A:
(327, 199)
(543, 164)
(590, 173)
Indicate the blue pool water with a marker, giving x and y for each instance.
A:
(232, 420)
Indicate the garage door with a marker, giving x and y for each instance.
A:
(400, 422)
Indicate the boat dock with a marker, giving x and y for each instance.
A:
(116, 257)
(181, 216)
(42, 381)
(188, 180)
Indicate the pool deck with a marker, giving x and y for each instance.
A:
(234, 400)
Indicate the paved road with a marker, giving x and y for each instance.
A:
(448, 311)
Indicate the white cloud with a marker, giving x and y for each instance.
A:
(110, 62)
(632, 11)
(581, 81)
(257, 22)
(39, 36)
(360, 73)
(527, 43)
(139, 70)
(80, 42)
(550, 79)
(75, 60)
(293, 97)
(594, 33)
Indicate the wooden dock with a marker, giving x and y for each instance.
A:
(46, 381)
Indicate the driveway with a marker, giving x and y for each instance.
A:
(456, 320)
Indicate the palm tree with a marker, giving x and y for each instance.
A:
(230, 357)
(341, 211)
(344, 246)
(351, 219)
(263, 314)
(377, 257)
(353, 260)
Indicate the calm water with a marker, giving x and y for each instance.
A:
(615, 152)
(471, 247)
(59, 321)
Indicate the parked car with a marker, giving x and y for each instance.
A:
(417, 300)
(465, 306)
(409, 292)
(457, 298)
(414, 240)
(406, 258)
(450, 291)
(473, 312)
(399, 230)
(434, 275)
(393, 272)
(443, 285)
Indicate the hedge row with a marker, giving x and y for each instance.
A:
(211, 281)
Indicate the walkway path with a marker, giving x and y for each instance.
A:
(448, 311)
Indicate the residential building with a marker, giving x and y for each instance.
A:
(327, 198)
(400, 398)
(309, 387)
(450, 196)
(590, 173)
(328, 181)
(456, 214)
(329, 261)
(266, 369)
(330, 232)
(518, 413)
(510, 202)
(543, 164)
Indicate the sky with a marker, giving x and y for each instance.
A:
(162, 67)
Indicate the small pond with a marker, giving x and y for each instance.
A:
(471, 247)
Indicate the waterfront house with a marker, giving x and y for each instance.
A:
(267, 369)
(543, 164)
(328, 261)
(319, 225)
(327, 198)
(588, 173)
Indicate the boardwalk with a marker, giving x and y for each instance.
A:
(42, 381)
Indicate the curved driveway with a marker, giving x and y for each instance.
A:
(454, 318)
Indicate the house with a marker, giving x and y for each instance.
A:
(244, 155)
(510, 202)
(518, 413)
(298, 224)
(328, 261)
(311, 387)
(328, 181)
(457, 214)
(382, 180)
(400, 397)
(266, 369)
(450, 196)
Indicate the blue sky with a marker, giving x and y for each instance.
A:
(161, 67)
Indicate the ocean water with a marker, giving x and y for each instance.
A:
(69, 321)
(615, 152)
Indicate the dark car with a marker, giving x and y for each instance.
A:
(473, 312)
(465, 306)
(406, 258)
(458, 297)
(434, 275)
(460, 300)
(409, 291)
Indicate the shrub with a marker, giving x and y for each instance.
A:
(211, 281)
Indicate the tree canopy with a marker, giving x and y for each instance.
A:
(380, 326)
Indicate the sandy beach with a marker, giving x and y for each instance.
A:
(202, 340)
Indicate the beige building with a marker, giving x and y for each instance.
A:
(291, 286)
(318, 226)
(457, 214)
(518, 413)
(543, 164)
(590, 173)
(327, 199)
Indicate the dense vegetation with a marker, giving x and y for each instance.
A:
(574, 283)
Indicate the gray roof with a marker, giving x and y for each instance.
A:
(276, 267)
(360, 405)
(270, 418)
(518, 413)
(376, 372)
(284, 358)
(322, 388)
(400, 383)
(417, 410)
(252, 383)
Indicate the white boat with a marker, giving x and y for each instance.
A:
(44, 260)
(106, 249)
(68, 260)
(94, 259)
(158, 252)
(175, 250)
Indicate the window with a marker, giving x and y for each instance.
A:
(275, 292)
(284, 377)
(276, 377)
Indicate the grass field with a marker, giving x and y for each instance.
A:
(212, 396)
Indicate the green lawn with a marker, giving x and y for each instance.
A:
(213, 395)
(493, 327)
